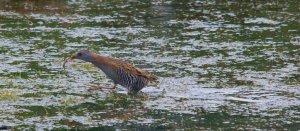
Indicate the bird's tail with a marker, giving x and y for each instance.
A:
(152, 78)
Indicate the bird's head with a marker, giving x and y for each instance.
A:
(85, 55)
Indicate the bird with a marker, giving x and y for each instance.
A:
(119, 71)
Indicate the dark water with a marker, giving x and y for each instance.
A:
(221, 65)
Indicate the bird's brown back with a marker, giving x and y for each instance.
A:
(116, 64)
(137, 71)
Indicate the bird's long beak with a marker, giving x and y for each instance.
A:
(68, 59)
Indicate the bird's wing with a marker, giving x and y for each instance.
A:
(135, 70)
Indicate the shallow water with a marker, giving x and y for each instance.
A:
(221, 65)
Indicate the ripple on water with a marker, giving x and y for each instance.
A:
(260, 21)
(222, 67)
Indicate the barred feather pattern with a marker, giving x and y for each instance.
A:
(132, 82)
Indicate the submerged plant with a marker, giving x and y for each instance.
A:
(11, 84)
(87, 65)
(84, 65)
(70, 100)
(8, 95)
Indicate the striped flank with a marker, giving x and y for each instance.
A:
(132, 82)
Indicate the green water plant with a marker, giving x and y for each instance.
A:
(8, 95)
(85, 65)
(70, 100)
(11, 84)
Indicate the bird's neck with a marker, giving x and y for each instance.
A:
(106, 65)
(100, 61)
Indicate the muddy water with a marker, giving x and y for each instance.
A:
(221, 65)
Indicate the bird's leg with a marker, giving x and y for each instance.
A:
(98, 87)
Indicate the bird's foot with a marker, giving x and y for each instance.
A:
(92, 87)
(98, 87)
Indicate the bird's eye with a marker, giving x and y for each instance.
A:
(79, 54)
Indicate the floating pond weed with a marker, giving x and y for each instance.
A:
(71, 100)
(11, 84)
(8, 95)
(87, 66)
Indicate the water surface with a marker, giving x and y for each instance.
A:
(221, 65)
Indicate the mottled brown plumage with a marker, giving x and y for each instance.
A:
(121, 72)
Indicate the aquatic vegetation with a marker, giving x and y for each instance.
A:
(222, 65)
(82, 65)
(8, 95)
(11, 84)
(87, 66)
(71, 100)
